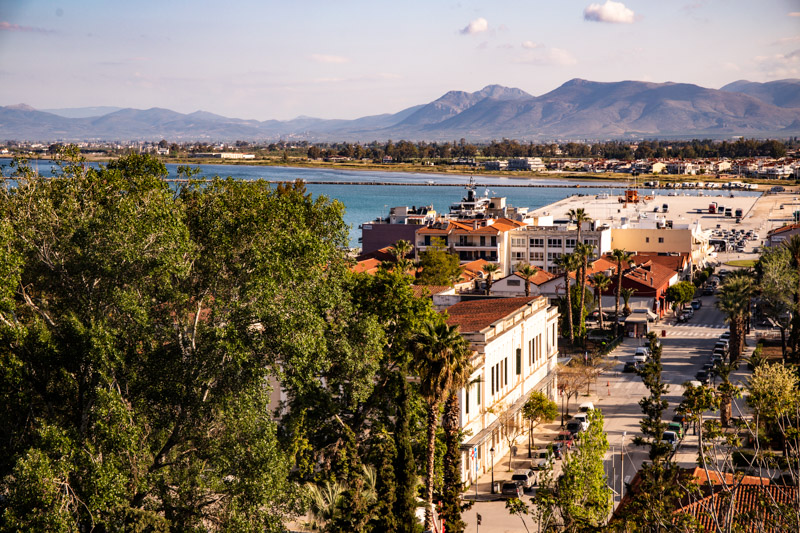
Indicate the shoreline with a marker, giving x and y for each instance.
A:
(525, 177)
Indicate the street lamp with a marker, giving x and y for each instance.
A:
(491, 451)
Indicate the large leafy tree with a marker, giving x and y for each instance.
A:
(140, 326)
(538, 409)
(681, 293)
(777, 280)
(439, 352)
(793, 247)
(438, 266)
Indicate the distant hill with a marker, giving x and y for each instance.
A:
(82, 112)
(578, 109)
(781, 93)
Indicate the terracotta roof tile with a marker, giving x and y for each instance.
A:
(751, 507)
(475, 315)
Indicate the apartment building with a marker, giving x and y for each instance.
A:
(515, 344)
(542, 246)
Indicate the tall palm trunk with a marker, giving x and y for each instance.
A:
(619, 290)
(453, 485)
(569, 308)
(433, 420)
(599, 296)
(582, 317)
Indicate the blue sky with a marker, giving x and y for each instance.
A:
(351, 58)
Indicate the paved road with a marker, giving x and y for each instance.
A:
(686, 347)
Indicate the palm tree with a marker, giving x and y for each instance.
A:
(626, 296)
(734, 301)
(438, 351)
(527, 272)
(453, 486)
(621, 256)
(579, 216)
(584, 251)
(567, 263)
(490, 269)
(727, 391)
(601, 283)
(793, 245)
(401, 249)
(324, 500)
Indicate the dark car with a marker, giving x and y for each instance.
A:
(575, 427)
(631, 366)
(512, 488)
(564, 439)
(696, 304)
(703, 376)
(708, 291)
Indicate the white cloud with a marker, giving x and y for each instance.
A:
(324, 58)
(780, 65)
(786, 40)
(614, 12)
(530, 45)
(479, 25)
(544, 56)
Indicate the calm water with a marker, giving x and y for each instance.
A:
(364, 203)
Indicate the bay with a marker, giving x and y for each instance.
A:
(364, 201)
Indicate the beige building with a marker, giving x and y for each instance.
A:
(656, 237)
(515, 343)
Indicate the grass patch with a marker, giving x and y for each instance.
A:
(748, 263)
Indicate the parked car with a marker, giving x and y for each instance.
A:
(677, 427)
(631, 366)
(512, 489)
(575, 427)
(585, 407)
(703, 377)
(642, 350)
(541, 459)
(689, 311)
(708, 291)
(697, 304)
(526, 477)
(672, 438)
(564, 439)
(583, 418)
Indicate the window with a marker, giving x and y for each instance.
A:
(494, 241)
(518, 242)
(537, 256)
(519, 361)
(647, 239)
(483, 241)
(493, 381)
(505, 371)
(570, 243)
(592, 242)
(513, 283)
(466, 401)
(553, 242)
(552, 256)
(478, 394)
(537, 243)
(463, 241)
(661, 240)
(427, 240)
(518, 256)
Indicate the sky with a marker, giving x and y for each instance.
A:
(352, 58)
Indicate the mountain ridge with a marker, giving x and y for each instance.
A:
(577, 109)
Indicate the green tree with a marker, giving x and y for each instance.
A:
(793, 246)
(584, 252)
(581, 497)
(682, 293)
(734, 301)
(568, 263)
(538, 409)
(438, 266)
(139, 332)
(620, 256)
(653, 406)
(527, 272)
(601, 282)
(490, 270)
(777, 282)
(626, 294)
(438, 351)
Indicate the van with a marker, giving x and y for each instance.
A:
(671, 438)
(585, 407)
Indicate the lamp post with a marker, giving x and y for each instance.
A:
(491, 451)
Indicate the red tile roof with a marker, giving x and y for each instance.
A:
(783, 229)
(540, 277)
(650, 275)
(475, 315)
(753, 508)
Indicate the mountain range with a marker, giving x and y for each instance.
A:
(578, 109)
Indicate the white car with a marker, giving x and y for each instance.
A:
(642, 350)
(583, 418)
